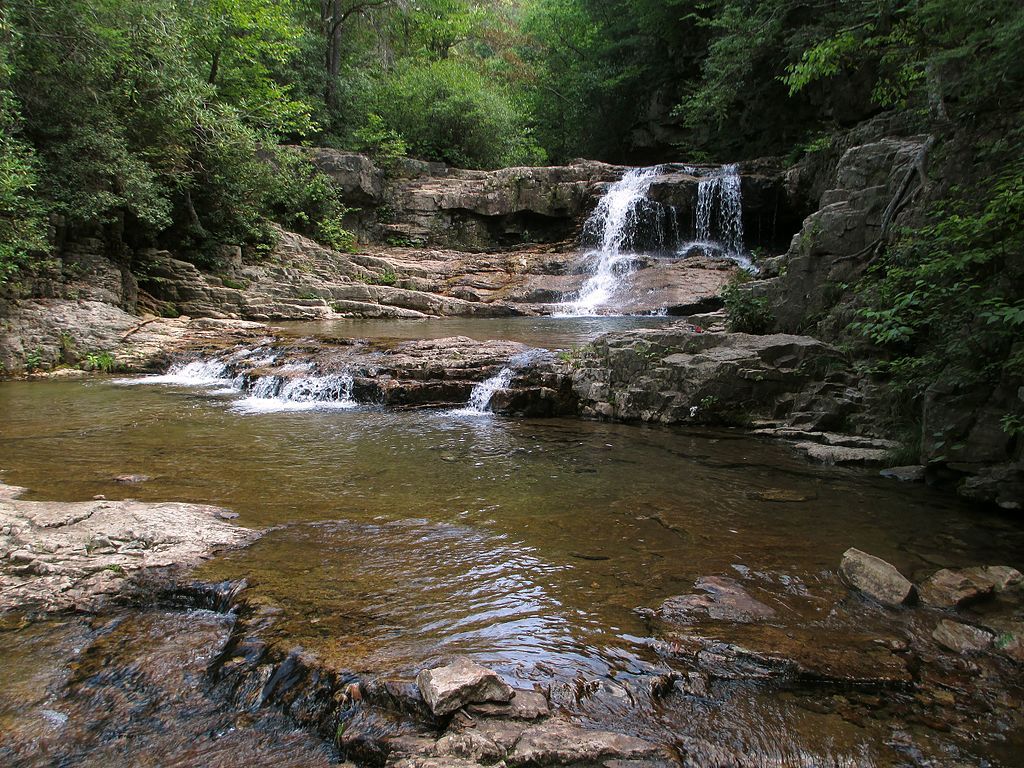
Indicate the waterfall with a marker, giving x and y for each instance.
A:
(626, 223)
(480, 396)
(613, 225)
(298, 393)
(720, 193)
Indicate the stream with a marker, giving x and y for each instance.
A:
(400, 538)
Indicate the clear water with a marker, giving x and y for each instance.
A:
(407, 536)
(555, 333)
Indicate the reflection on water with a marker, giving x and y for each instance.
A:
(407, 536)
(544, 332)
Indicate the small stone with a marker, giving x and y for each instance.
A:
(225, 514)
(449, 688)
(913, 473)
(875, 578)
(525, 705)
(99, 497)
(961, 638)
(130, 479)
(948, 588)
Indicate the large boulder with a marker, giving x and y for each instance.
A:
(681, 373)
(838, 240)
(875, 578)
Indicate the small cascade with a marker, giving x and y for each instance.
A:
(298, 393)
(197, 373)
(720, 210)
(613, 224)
(480, 396)
(290, 387)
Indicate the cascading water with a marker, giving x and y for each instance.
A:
(719, 193)
(481, 394)
(291, 387)
(613, 224)
(197, 373)
(626, 224)
(299, 393)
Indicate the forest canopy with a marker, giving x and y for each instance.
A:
(151, 115)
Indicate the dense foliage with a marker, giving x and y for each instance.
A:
(154, 119)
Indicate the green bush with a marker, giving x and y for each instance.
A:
(446, 110)
(301, 198)
(100, 361)
(747, 313)
(941, 303)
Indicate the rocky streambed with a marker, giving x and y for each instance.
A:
(157, 668)
(717, 619)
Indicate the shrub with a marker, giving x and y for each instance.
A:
(301, 198)
(747, 313)
(446, 110)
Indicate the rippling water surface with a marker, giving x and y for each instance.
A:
(403, 537)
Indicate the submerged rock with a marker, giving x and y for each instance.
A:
(961, 638)
(524, 705)
(723, 600)
(875, 578)
(449, 688)
(913, 473)
(558, 742)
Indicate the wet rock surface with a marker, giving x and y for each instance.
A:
(961, 638)
(952, 588)
(876, 578)
(722, 599)
(59, 555)
(203, 677)
(129, 689)
(451, 687)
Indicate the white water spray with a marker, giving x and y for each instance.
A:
(720, 192)
(613, 222)
(480, 396)
(300, 393)
(198, 373)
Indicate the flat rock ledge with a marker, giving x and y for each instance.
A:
(57, 555)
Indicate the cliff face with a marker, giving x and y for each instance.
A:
(874, 187)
